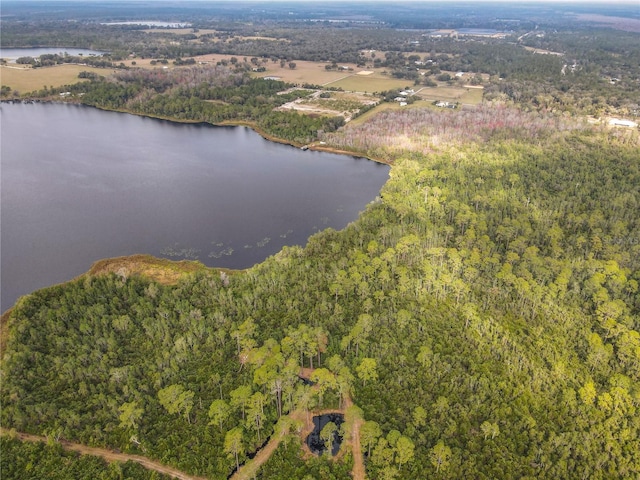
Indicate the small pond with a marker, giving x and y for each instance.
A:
(315, 443)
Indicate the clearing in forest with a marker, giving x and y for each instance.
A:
(304, 417)
(374, 82)
(25, 79)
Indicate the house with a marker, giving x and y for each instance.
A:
(616, 122)
(445, 105)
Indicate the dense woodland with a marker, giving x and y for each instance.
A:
(39, 460)
(212, 94)
(483, 314)
(485, 310)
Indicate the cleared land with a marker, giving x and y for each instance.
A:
(619, 23)
(466, 95)
(25, 80)
(305, 72)
(339, 103)
(163, 271)
(374, 82)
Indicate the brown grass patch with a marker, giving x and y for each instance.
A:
(160, 270)
(383, 107)
(344, 104)
(305, 72)
(466, 95)
(619, 23)
(25, 80)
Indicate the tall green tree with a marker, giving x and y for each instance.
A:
(234, 444)
(176, 399)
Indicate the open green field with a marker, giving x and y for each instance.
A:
(305, 72)
(383, 107)
(376, 82)
(25, 80)
(466, 95)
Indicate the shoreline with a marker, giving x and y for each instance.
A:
(156, 269)
(314, 146)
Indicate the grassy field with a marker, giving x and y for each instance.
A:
(466, 95)
(383, 107)
(305, 72)
(376, 82)
(166, 272)
(25, 80)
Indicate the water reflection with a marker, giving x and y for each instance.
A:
(326, 431)
(80, 184)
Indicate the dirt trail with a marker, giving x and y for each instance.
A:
(251, 467)
(109, 456)
(301, 416)
(358, 472)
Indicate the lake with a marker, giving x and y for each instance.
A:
(150, 23)
(12, 54)
(79, 184)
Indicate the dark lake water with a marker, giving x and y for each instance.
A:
(79, 184)
(315, 443)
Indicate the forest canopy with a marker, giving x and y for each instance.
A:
(486, 310)
(480, 319)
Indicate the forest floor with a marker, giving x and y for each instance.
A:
(109, 455)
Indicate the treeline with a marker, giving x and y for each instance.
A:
(286, 464)
(213, 94)
(399, 133)
(484, 315)
(591, 72)
(51, 59)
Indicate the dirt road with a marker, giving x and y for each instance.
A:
(251, 467)
(110, 456)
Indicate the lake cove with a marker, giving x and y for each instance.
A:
(81, 184)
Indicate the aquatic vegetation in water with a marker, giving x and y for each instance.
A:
(263, 242)
(175, 251)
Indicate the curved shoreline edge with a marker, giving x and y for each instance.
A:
(315, 146)
(160, 270)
